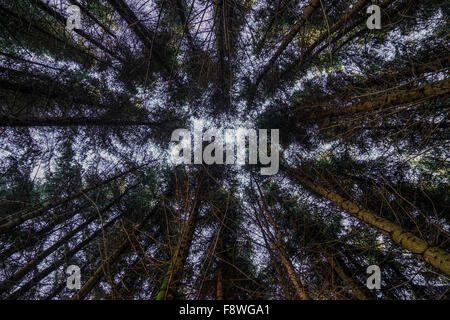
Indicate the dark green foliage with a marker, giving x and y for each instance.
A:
(86, 118)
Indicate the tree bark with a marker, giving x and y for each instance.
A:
(174, 274)
(277, 245)
(6, 121)
(146, 36)
(10, 282)
(219, 286)
(103, 267)
(14, 221)
(394, 99)
(54, 266)
(357, 289)
(288, 38)
(100, 271)
(435, 256)
(46, 8)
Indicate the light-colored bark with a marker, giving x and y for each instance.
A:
(435, 256)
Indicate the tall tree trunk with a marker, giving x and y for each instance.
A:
(146, 36)
(86, 11)
(413, 69)
(57, 264)
(11, 281)
(288, 38)
(174, 274)
(219, 285)
(184, 18)
(435, 256)
(59, 17)
(394, 99)
(101, 270)
(104, 266)
(6, 121)
(17, 219)
(358, 290)
(280, 274)
(283, 282)
(293, 276)
(277, 245)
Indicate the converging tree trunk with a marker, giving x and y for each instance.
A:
(435, 256)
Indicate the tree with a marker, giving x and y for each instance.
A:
(86, 170)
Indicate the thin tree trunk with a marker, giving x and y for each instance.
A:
(46, 8)
(54, 266)
(288, 38)
(357, 289)
(100, 271)
(307, 57)
(173, 276)
(93, 18)
(169, 286)
(11, 281)
(219, 286)
(283, 283)
(16, 220)
(414, 69)
(33, 237)
(394, 99)
(146, 36)
(103, 267)
(329, 32)
(436, 63)
(6, 121)
(181, 9)
(281, 277)
(337, 26)
(294, 277)
(277, 244)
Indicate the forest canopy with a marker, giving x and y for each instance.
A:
(87, 177)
